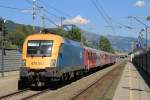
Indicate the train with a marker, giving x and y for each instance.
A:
(141, 58)
(49, 57)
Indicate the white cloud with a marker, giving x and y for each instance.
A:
(79, 20)
(140, 3)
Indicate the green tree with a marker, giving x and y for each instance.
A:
(105, 45)
(3, 27)
(74, 34)
(22, 29)
(60, 31)
(16, 38)
(4, 33)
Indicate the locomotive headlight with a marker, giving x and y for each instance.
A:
(24, 62)
(53, 63)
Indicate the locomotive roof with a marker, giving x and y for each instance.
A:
(48, 36)
(55, 37)
(63, 40)
(104, 52)
(71, 42)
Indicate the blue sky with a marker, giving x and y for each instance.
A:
(117, 10)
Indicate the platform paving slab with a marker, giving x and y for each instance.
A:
(8, 84)
(9, 74)
(132, 86)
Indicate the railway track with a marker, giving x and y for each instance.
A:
(36, 94)
(12, 94)
(100, 87)
(105, 82)
(22, 95)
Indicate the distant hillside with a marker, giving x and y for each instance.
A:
(121, 43)
(12, 25)
(118, 42)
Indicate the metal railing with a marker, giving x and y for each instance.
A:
(11, 60)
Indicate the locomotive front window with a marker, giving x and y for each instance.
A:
(40, 48)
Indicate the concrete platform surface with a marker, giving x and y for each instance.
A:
(131, 85)
(9, 74)
(9, 83)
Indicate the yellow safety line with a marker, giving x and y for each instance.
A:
(130, 82)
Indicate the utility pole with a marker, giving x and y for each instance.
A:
(33, 15)
(146, 47)
(62, 19)
(146, 39)
(146, 26)
(132, 46)
(2, 47)
(42, 18)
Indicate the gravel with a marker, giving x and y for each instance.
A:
(70, 90)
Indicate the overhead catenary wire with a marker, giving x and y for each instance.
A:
(14, 8)
(123, 25)
(48, 19)
(99, 11)
(51, 21)
(101, 7)
(23, 9)
(107, 16)
(103, 14)
(57, 10)
(38, 7)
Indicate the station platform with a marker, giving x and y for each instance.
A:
(132, 86)
(9, 74)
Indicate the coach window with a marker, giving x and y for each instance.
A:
(95, 56)
(89, 54)
(92, 55)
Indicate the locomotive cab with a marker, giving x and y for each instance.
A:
(40, 53)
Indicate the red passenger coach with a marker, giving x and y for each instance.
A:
(103, 58)
(107, 59)
(86, 59)
(97, 58)
(89, 58)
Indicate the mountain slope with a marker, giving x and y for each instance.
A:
(118, 42)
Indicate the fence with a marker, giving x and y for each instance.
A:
(12, 60)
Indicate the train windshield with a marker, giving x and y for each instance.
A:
(39, 48)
